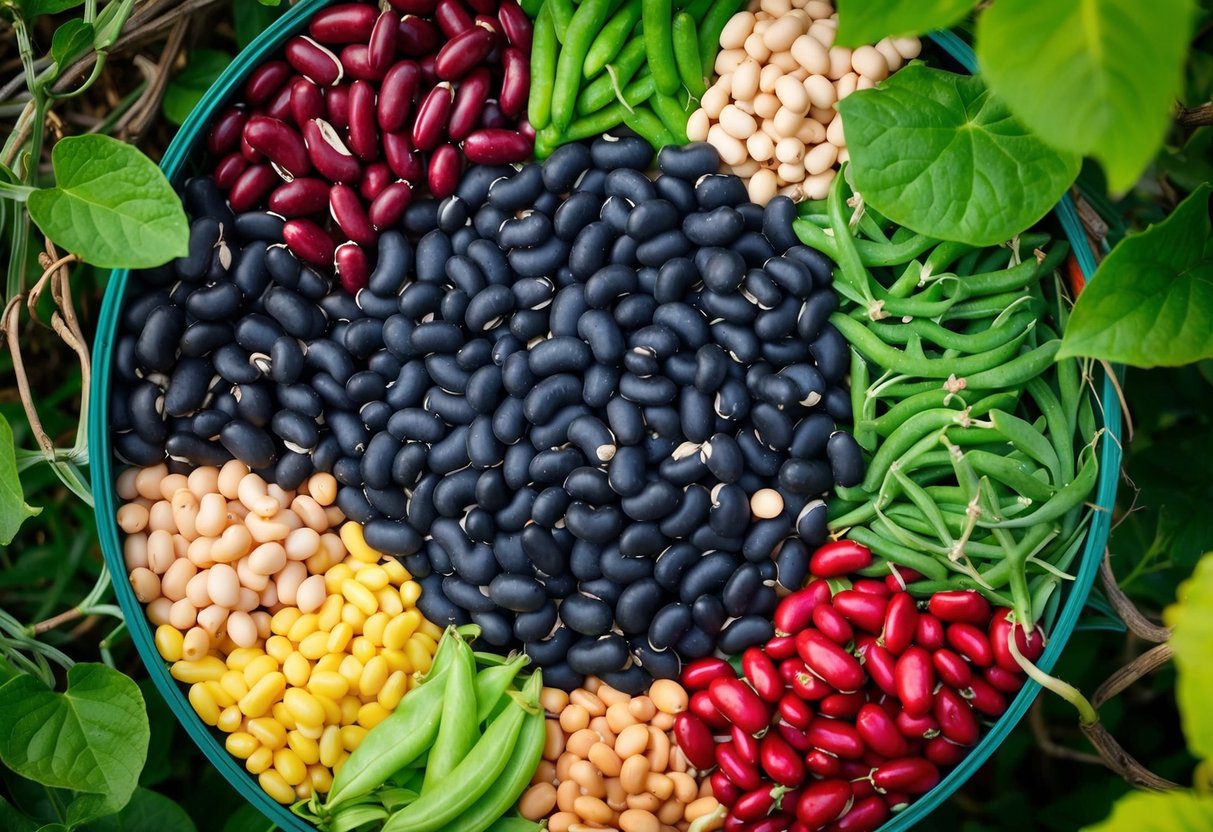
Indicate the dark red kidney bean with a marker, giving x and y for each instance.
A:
(307, 102)
(879, 731)
(732, 823)
(1001, 678)
(781, 647)
(280, 143)
(445, 168)
(453, 18)
(795, 611)
(900, 621)
(701, 705)
(404, 161)
(762, 674)
(943, 752)
(695, 739)
(915, 679)
(900, 576)
(516, 25)
(464, 51)
(754, 805)
(468, 104)
(955, 717)
(822, 763)
(823, 802)
(838, 737)
(492, 116)
(957, 605)
(841, 705)
(741, 771)
(952, 669)
(747, 744)
(984, 698)
(381, 46)
(347, 210)
(829, 661)
(416, 36)
(309, 241)
(266, 80)
(251, 154)
(313, 61)
(795, 737)
(300, 197)
(342, 24)
(739, 704)
(329, 155)
(881, 666)
(353, 267)
(699, 674)
(428, 76)
(515, 82)
(897, 801)
(804, 684)
(928, 633)
(375, 177)
(430, 127)
(1030, 646)
(229, 169)
(871, 586)
(832, 625)
(864, 815)
(389, 206)
(862, 787)
(483, 6)
(493, 25)
(396, 95)
(413, 6)
(907, 774)
(363, 135)
(861, 609)
(723, 789)
(916, 727)
(279, 106)
(780, 761)
(972, 643)
(252, 187)
(855, 770)
(356, 58)
(497, 147)
(337, 105)
(527, 131)
(775, 823)
(838, 558)
(225, 133)
(795, 711)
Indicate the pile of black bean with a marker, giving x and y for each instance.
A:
(555, 401)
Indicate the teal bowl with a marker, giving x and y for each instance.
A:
(175, 164)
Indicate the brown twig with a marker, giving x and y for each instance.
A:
(138, 119)
(1143, 665)
(1199, 116)
(10, 324)
(1122, 762)
(1140, 626)
(1040, 731)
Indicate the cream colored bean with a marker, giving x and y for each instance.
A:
(757, 48)
(134, 551)
(820, 159)
(700, 807)
(635, 820)
(867, 61)
(241, 629)
(202, 481)
(223, 585)
(199, 552)
(737, 30)
(311, 513)
(732, 151)
(668, 696)
(580, 743)
(764, 22)
(643, 708)
(661, 720)
(745, 80)
(810, 54)
(818, 187)
(768, 76)
(632, 740)
(212, 515)
(230, 475)
(768, 127)
(592, 809)
(834, 132)
(181, 545)
(249, 599)
(605, 758)
(908, 48)
(819, 9)
(659, 785)
(125, 484)
(213, 619)
(264, 530)
(573, 718)
(738, 124)
(659, 749)
(176, 578)
(616, 797)
(618, 717)
(269, 558)
(678, 759)
(253, 494)
(766, 503)
(792, 95)
(746, 169)
(171, 484)
(840, 62)
(602, 729)
(793, 172)
(588, 777)
(698, 125)
(538, 801)
(269, 595)
(562, 821)
(824, 33)
(787, 122)
(197, 643)
(146, 584)
(158, 611)
(820, 91)
(715, 99)
(147, 481)
(553, 700)
(775, 8)
(785, 62)
(132, 518)
(309, 595)
(233, 544)
(783, 33)
(633, 773)
(822, 116)
(160, 517)
(760, 147)
(888, 51)
(685, 787)
(302, 543)
(766, 105)
(844, 155)
(185, 513)
(644, 801)
(183, 614)
(160, 554)
(728, 60)
(250, 578)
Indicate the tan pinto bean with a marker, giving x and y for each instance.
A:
(132, 518)
(616, 797)
(582, 741)
(125, 485)
(566, 796)
(203, 481)
(668, 696)
(589, 701)
(134, 551)
(171, 484)
(562, 821)
(160, 516)
(537, 801)
(605, 758)
(160, 554)
(176, 578)
(663, 721)
(253, 580)
(183, 614)
(147, 481)
(634, 773)
(619, 717)
(302, 543)
(632, 740)
(670, 811)
(593, 810)
(635, 820)
(553, 743)
(323, 488)
(230, 475)
(158, 611)
(545, 772)
(644, 801)
(563, 764)
(642, 708)
(146, 584)
(574, 718)
(588, 777)
(659, 749)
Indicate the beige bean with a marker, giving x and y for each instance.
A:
(820, 91)
(160, 554)
(865, 83)
(202, 481)
(822, 116)
(158, 610)
(310, 512)
(241, 629)
(176, 578)
(253, 580)
(602, 729)
(908, 48)
(644, 801)
(545, 772)
(810, 54)
(731, 150)
(183, 614)
(766, 105)
(269, 595)
(787, 122)
(233, 544)
(764, 22)
(147, 481)
(784, 60)
(619, 717)
(199, 552)
(670, 811)
(700, 807)
(659, 749)
(840, 62)
(782, 33)
(746, 169)
(589, 701)
(767, 76)
(760, 147)
(744, 83)
(698, 125)
(236, 511)
(582, 741)
(642, 708)
(888, 51)
(537, 801)
(563, 763)
(197, 643)
(249, 600)
(562, 821)
(181, 545)
(213, 619)
(616, 797)
(757, 48)
(134, 551)
(310, 592)
(132, 518)
(818, 187)
(659, 785)
(593, 810)
(566, 796)
(661, 720)
(275, 528)
(738, 124)
(668, 696)
(834, 132)
(824, 33)
(185, 513)
(793, 172)
(737, 30)
(819, 9)
(634, 820)
(775, 8)
(223, 585)
(792, 94)
(573, 718)
(253, 494)
(768, 127)
(605, 758)
(160, 517)
(866, 60)
(790, 149)
(727, 60)
(125, 484)
(589, 778)
(302, 543)
(269, 558)
(230, 475)
(323, 488)
(678, 759)
(171, 484)
(685, 787)
(632, 740)
(553, 700)
(146, 584)
(212, 515)
(846, 85)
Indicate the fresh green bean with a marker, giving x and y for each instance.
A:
(880, 353)
(533, 8)
(493, 682)
(611, 39)
(649, 127)
(895, 253)
(1016, 475)
(710, 27)
(686, 54)
(1072, 494)
(457, 733)
(543, 69)
(943, 255)
(583, 28)
(1029, 440)
(900, 555)
(1017, 371)
(919, 497)
(988, 306)
(657, 22)
(698, 8)
(950, 339)
(599, 122)
(1060, 429)
(849, 265)
(562, 15)
(673, 115)
(864, 434)
(601, 91)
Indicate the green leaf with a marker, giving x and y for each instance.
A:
(1151, 302)
(1191, 618)
(147, 811)
(862, 21)
(32, 8)
(13, 509)
(938, 153)
(12, 820)
(248, 819)
(92, 738)
(111, 205)
(71, 41)
(1159, 812)
(184, 91)
(251, 19)
(1096, 77)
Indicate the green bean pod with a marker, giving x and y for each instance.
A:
(583, 28)
(543, 69)
(1015, 475)
(533, 8)
(562, 17)
(849, 264)
(673, 115)
(1071, 495)
(870, 254)
(950, 339)
(456, 732)
(493, 682)
(900, 555)
(880, 353)
(1028, 439)
(601, 91)
(657, 26)
(1060, 429)
(611, 39)
(686, 54)
(649, 127)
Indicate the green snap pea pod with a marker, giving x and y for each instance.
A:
(967, 265)
(698, 8)
(987, 306)
(460, 789)
(950, 339)
(611, 39)
(673, 115)
(1016, 372)
(711, 26)
(601, 91)
(562, 15)
(515, 824)
(849, 264)
(1027, 438)
(350, 817)
(585, 25)
(657, 22)
(1071, 495)
(869, 226)
(649, 127)
(900, 555)
(1060, 429)
(686, 54)
(1015, 475)
(456, 733)
(493, 682)
(543, 69)
(895, 253)
(598, 123)
(861, 403)
(919, 497)
(533, 8)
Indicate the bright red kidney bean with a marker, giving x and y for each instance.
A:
(347, 210)
(985, 698)
(754, 805)
(701, 672)
(838, 558)
(795, 737)
(695, 739)
(464, 51)
(363, 132)
(907, 774)
(797, 826)
(515, 82)
(855, 769)
(864, 816)
(916, 727)
(746, 744)
(871, 586)
(724, 789)
(266, 80)
(300, 197)
(900, 576)
(453, 18)
(315, 62)
(952, 669)
(311, 243)
(280, 143)
(329, 155)
(493, 25)
(413, 6)
(832, 625)
(1030, 646)
(915, 679)
(251, 187)
(469, 103)
(795, 611)
(900, 621)
(416, 36)
(881, 666)
(224, 135)
(375, 177)
(822, 763)
(955, 605)
(381, 45)
(483, 6)
(879, 731)
(516, 25)
(781, 647)
(337, 105)
(396, 95)
(862, 787)
(738, 769)
(431, 125)
(836, 736)
(822, 802)
(307, 102)
(405, 161)
(971, 642)
(795, 711)
(1002, 679)
(732, 823)
(897, 801)
(943, 752)
(775, 823)
(229, 169)
(780, 761)
(841, 705)
(829, 661)
(928, 633)
(388, 208)
(806, 685)
(353, 267)
(701, 705)
(344, 23)
(762, 674)
(356, 60)
(491, 146)
(955, 717)
(861, 609)
(739, 704)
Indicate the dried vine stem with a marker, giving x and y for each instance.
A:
(1140, 626)
(1143, 665)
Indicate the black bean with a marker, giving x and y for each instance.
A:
(474, 184)
(182, 446)
(551, 651)
(597, 525)
(562, 169)
(829, 350)
(590, 249)
(846, 459)
(744, 632)
(691, 513)
(536, 624)
(393, 538)
(805, 476)
(204, 236)
(611, 152)
(517, 593)
(187, 388)
(777, 219)
(821, 268)
(549, 395)
(597, 656)
(435, 606)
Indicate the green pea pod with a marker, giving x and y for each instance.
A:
(493, 682)
(847, 255)
(900, 555)
(611, 39)
(457, 733)
(1060, 429)
(1031, 441)
(583, 28)
(1017, 371)
(649, 127)
(895, 253)
(710, 27)
(987, 306)
(698, 8)
(601, 91)
(593, 125)
(1073, 494)
(674, 116)
(562, 17)
(1013, 474)
(533, 8)
(515, 824)
(657, 23)
(686, 54)
(950, 339)
(352, 817)
(543, 69)
(460, 789)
